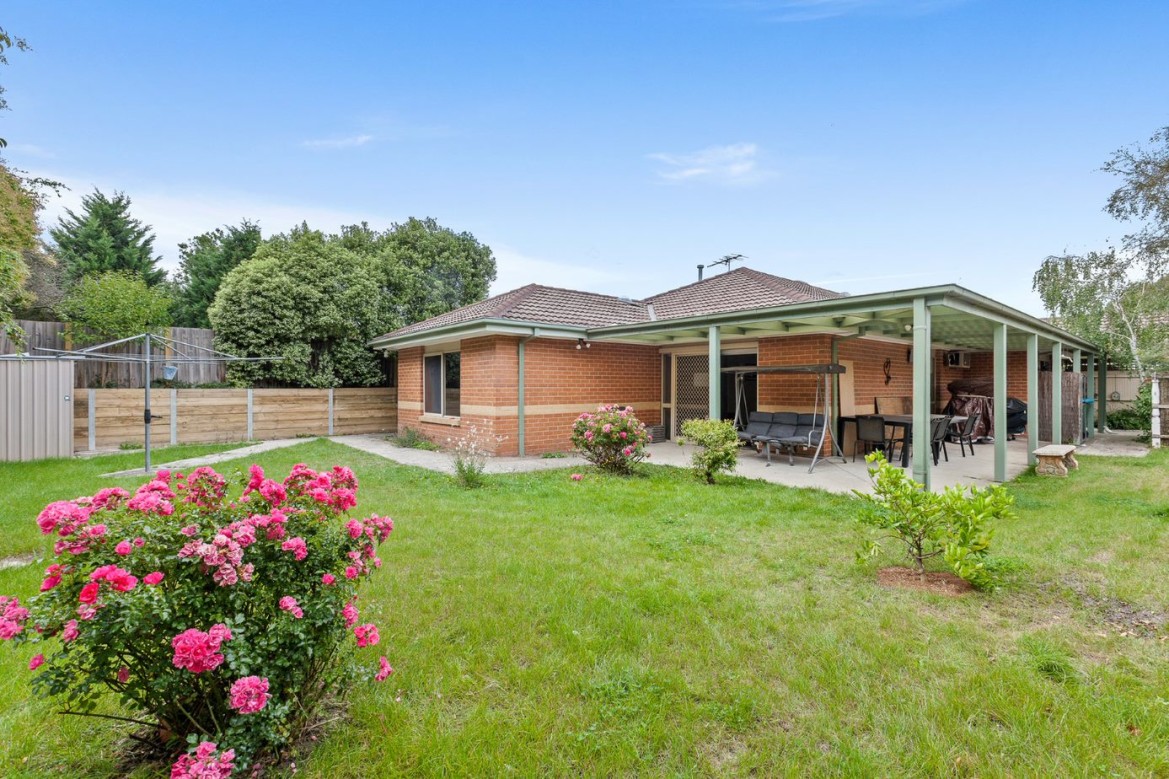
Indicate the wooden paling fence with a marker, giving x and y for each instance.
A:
(108, 418)
(60, 335)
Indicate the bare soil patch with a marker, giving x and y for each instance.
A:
(1119, 615)
(940, 582)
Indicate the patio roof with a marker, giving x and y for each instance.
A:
(743, 304)
(961, 319)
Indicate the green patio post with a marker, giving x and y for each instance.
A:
(921, 392)
(1032, 397)
(1090, 411)
(1102, 394)
(1000, 402)
(715, 364)
(1057, 393)
(521, 421)
(1077, 367)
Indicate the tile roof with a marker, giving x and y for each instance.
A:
(740, 289)
(545, 305)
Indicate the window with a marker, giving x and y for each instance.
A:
(440, 384)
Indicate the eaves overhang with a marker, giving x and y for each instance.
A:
(476, 328)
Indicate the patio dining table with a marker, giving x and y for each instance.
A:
(903, 421)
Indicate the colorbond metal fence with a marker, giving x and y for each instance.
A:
(36, 409)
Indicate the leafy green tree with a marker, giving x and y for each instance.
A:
(106, 238)
(309, 300)
(8, 41)
(203, 262)
(18, 234)
(113, 305)
(424, 269)
(1119, 297)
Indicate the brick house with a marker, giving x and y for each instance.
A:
(519, 367)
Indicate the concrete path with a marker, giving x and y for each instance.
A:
(442, 461)
(1115, 443)
(210, 459)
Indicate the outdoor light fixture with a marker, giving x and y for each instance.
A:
(580, 342)
(169, 372)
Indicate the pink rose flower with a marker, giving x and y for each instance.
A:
(289, 604)
(366, 634)
(351, 572)
(576, 477)
(123, 548)
(349, 614)
(36, 662)
(123, 675)
(204, 764)
(328, 578)
(89, 593)
(385, 671)
(197, 651)
(249, 694)
(70, 631)
(296, 546)
(153, 578)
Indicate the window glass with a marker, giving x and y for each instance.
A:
(451, 387)
(432, 384)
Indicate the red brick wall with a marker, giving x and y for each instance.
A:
(560, 382)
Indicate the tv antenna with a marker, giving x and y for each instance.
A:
(727, 260)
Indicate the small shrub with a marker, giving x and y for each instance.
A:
(1138, 417)
(470, 453)
(412, 439)
(718, 446)
(217, 621)
(553, 456)
(611, 438)
(130, 446)
(952, 524)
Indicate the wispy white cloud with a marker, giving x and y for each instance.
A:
(815, 10)
(734, 164)
(348, 142)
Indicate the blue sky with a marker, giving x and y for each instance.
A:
(864, 145)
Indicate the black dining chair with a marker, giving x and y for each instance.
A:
(939, 429)
(966, 434)
(870, 433)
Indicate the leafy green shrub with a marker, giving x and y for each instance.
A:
(310, 301)
(1138, 417)
(209, 619)
(612, 438)
(412, 439)
(952, 524)
(469, 454)
(718, 446)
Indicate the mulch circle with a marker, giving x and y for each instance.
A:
(940, 582)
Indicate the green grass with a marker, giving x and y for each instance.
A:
(656, 626)
(27, 487)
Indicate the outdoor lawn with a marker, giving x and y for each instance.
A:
(656, 626)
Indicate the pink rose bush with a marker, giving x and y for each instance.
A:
(611, 438)
(225, 621)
